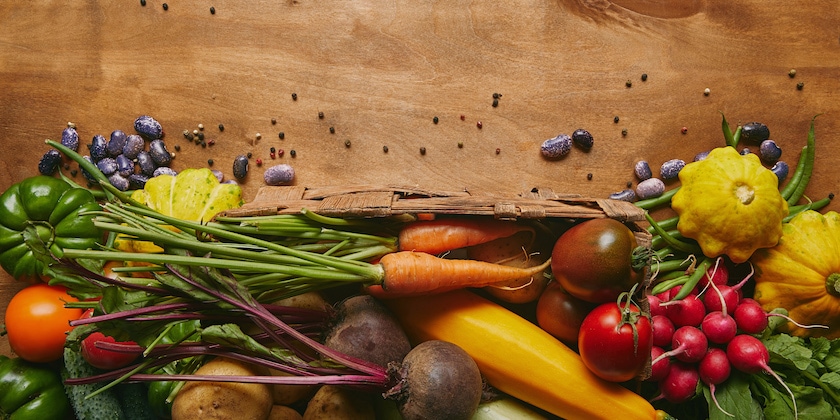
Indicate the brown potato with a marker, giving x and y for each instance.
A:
(281, 412)
(290, 394)
(223, 400)
(337, 403)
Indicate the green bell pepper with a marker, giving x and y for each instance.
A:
(31, 391)
(41, 214)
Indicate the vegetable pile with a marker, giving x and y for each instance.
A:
(163, 306)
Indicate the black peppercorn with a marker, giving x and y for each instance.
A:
(422, 150)
(615, 119)
(165, 6)
(294, 96)
(282, 135)
(221, 127)
(320, 115)
(293, 152)
(385, 149)
(212, 10)
(332, 130)
(644, 77)
(435, 120)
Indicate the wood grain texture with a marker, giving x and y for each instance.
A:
(380, 71)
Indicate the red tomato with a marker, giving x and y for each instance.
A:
(105, 359)
(610, 347)
(593, 260)
(561, 314)
(37, 322)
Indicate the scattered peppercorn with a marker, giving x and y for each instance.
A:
(201, 126)
(644, 77)
(629, 184)
(258, 136)
(332, 130)
(294, 96)
(211, 142)
(496, 96)
(498, 150)
(460, 145)
(684, 130)
(201, 136)
(272, 150)
(280, 152)
(165, 6)
(463, 117)
(212, 10)
(272, 155)
(800, 85)
(792, 73)
(347, 143)
(282, 135)
(628, 83)
(589, 176)
(320, 115)
(479, 125)
(221, 127)
(435, 120)
(249, 155)
(259, 162)
(615, 119)
(177, 147)
(273, 121)
(293, 153)
(422, 150)
(495, 103)
(203, 144)
(707, 91)
(624, 132)
(142, 2)
(210, 162)
(385, 149)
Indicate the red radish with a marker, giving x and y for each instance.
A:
(718, 297)
(715, 369)
(688, 311)
(681, 383)
(689, 345)
(659, 370)
(719, 327)
(717, 274)
(655, 304)
(752, 319)
(663, 330)
(749, 355)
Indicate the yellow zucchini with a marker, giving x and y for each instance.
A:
(517, 357)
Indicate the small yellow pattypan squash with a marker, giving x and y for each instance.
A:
(730, 204)
(802, 273)
(193, 194)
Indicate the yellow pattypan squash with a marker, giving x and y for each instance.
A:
(730, 204)
(802, 273)
(193, 194)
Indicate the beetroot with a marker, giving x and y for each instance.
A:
(365, 329)
(439, 380)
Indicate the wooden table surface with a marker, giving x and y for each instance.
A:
(380, 72)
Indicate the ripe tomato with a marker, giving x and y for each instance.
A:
(37, 322)
(105, 359)
(593, 260)
(561, 314)
(615, 341)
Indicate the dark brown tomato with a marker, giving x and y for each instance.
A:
(593, 260)
(561, 314)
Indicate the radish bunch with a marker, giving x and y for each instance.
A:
(699, 339)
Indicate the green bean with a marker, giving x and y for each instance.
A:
(693, 279)
(658, 241)
(669, 223)
(673, 242)
(814, 205)
(787, 190)
(808, 169)
(664, 199)
(669, 284)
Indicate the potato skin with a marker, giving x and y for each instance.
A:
(223, 400)
(333, 402)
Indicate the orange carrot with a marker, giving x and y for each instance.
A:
(445, 234)
(417, 273)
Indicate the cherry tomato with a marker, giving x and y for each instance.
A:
(593, 260)
(105, 359)
(615, 341)
(37, 322)
(561, 314)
